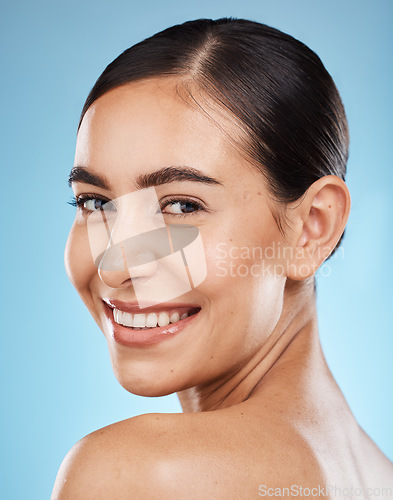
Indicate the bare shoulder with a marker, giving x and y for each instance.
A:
(117, 461)
(174, 456)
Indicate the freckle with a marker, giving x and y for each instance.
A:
(259, 193)
(211, 357)
(230, 239)
(330, 206)
(171, 371)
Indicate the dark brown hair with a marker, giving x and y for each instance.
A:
(275, 87)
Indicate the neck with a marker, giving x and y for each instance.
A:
(294, 338)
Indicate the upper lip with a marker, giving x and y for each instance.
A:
(133, 307)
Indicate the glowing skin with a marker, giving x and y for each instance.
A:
(260, 405)
(142, 128)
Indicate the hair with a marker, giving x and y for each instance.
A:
(276, 88)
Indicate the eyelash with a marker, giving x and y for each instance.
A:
(176, 199)
(78, 201)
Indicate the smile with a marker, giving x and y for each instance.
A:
(132, 326)
(146, 321)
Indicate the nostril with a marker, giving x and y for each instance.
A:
(143, 270)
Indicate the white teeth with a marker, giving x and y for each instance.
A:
(126, 319)
(151, 320)
(174, 317)
(139, 320)
(163, 319)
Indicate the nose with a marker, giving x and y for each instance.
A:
(120, 265)
(123, 238)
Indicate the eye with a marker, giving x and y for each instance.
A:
(181, 206)
(92, 203)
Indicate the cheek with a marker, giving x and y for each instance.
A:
(244, 254)
(243, 287)
(239, 275)
(78, 261)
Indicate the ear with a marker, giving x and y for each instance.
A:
(317, 223)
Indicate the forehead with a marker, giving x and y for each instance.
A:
(149, 124)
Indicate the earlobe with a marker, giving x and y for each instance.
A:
(320, 221)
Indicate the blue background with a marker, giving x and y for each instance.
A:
(56, 380)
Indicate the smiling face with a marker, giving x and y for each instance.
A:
(126, 136)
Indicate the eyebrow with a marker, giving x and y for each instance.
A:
(81, 174)
(162, 176)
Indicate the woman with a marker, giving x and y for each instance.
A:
(232, 134)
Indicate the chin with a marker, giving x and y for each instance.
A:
(147, 388)
(144, 380)
(149, 392)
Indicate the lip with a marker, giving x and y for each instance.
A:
(138, 338)
(133, 307)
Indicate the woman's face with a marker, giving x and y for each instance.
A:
(139, 129)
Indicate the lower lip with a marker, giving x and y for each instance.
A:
(138, 338)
